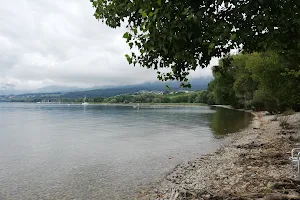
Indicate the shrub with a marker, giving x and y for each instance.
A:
(288, 112)
(275, 118)
(283, 122)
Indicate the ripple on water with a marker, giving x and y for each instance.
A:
(98, 152)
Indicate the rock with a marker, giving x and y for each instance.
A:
(206, 196)
(188, 181)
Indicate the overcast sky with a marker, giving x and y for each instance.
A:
(59, 42)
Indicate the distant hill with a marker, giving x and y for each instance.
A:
(197, 84)
(75, 92)
(10, 91)
(56, 88)
(47, 89)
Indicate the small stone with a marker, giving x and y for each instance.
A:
(206, 196)
(188, 181)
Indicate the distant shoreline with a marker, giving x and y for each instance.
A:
(160, 104)
(117, 104)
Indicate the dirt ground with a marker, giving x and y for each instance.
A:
(253, 165)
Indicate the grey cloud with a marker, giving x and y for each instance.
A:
(7, 86)
(46, 42)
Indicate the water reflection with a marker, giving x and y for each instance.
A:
(225, 121)
(101, 152)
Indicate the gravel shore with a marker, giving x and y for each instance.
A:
(253, 165)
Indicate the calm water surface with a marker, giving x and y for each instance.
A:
(101, 152)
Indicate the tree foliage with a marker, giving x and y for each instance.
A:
(176, 97)
(184, 35)
(258, 80)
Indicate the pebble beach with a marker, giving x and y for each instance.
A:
(253, 164)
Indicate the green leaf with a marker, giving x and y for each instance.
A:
(130, 45)
(134, 31)
(126, 35)
(165, 50)
(151, 48)
(211, 46)
(144, 15)
(185, 11)
(129, 59)
(159, 2)
(168, 87)
(233, 36)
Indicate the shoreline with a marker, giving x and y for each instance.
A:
(253, 164)
(117, 104)
(231, 108)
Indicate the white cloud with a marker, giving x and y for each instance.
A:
(55, 42)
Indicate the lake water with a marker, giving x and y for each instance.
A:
(101, 152)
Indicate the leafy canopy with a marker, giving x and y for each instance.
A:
(185, 34)
(258, 80)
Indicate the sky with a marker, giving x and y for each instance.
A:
(59, 42)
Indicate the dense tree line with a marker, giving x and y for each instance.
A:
(174, 97)
(180, 97)
(259, 80)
